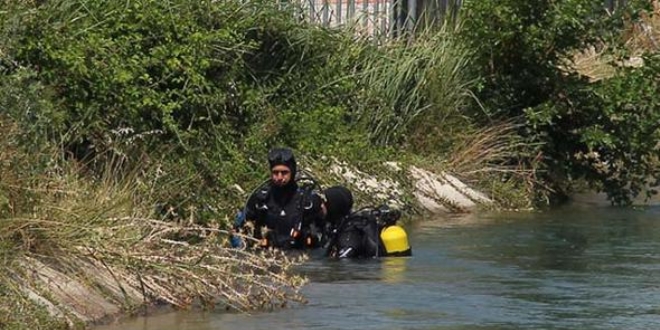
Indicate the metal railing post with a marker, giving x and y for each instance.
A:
(411, 17)
(326, 13)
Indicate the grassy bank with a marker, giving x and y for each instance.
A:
(104, 232)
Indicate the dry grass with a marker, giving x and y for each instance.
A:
(593, 63)
(483, 158)
(645, 36)
(639, 38)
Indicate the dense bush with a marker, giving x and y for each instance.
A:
(199, 86)
(598, 132)
(606, 133)
(186, 69)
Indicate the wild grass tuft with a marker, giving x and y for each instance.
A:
(491, 158)
(414, 86)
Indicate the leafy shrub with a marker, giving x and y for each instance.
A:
(522, 49)
(198, 87)
(607, 133)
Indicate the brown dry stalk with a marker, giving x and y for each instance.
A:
(484, 150)
(157, 267)
(639, 37)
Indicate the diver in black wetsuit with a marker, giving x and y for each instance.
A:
(367, 233)
(285, 215)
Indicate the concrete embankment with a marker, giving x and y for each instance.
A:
(433, 192)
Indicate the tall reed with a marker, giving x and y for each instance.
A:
(414, 85)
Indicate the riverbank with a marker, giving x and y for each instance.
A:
(100, 290)
(136, 267)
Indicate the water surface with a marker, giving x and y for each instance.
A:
(578, 267)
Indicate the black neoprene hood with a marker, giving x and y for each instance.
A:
(282, 156)
(339, 201)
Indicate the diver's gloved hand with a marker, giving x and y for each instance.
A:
(235, 240)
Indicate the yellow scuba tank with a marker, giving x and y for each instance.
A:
(395, 241)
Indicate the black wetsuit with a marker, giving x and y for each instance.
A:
(290, 214)
(356, 236)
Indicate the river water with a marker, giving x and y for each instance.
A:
(578, 267)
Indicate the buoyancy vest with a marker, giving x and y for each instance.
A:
(286, 215)
(358, 237)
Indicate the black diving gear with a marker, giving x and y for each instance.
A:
(285, 217)
(368, 233)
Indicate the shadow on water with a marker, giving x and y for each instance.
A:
(387, 270)
(577, 267)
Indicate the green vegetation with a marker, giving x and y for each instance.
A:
(601, 132)
(130, 130)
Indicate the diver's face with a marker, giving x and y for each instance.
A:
(280, 175)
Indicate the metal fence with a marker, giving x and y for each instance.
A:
(387, 17)
(378, 17)
(613, 4)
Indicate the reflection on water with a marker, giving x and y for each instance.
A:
(572, 268)
(394, 270)
(386, 270)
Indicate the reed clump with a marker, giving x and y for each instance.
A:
(499, 160)
(415, 89)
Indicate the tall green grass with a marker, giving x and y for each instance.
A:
(414, 87)
(419, 101)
